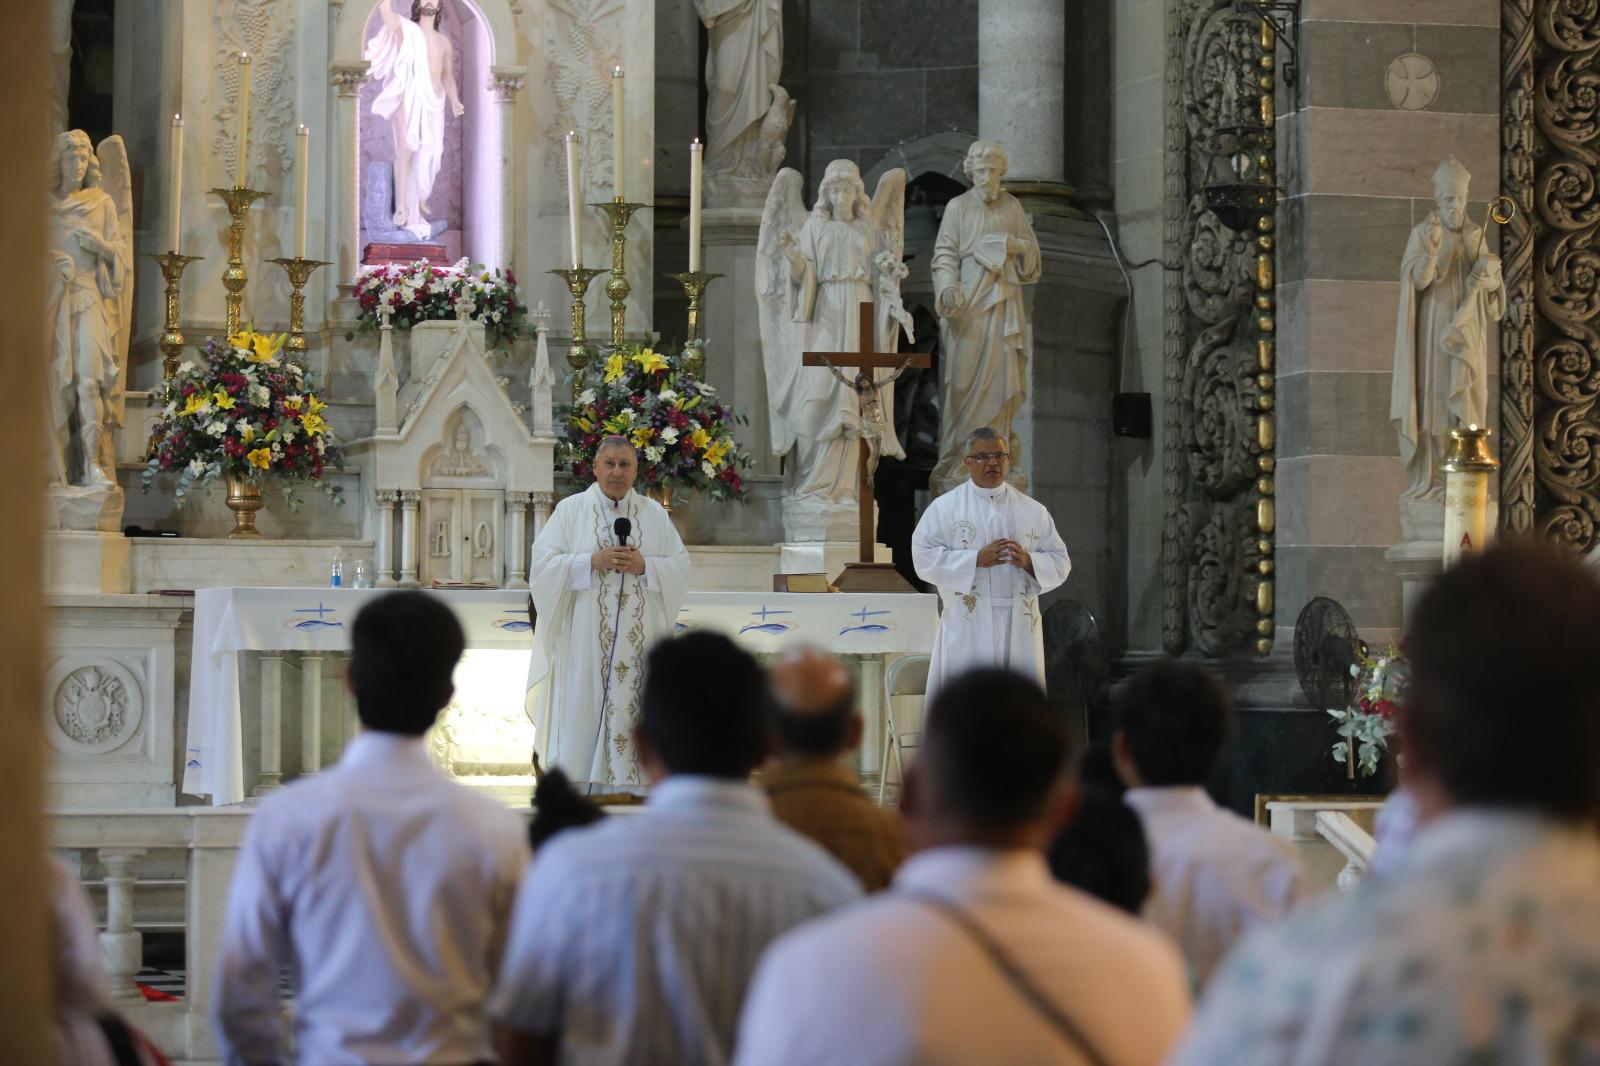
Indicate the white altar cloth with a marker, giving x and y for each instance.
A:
(228, 621)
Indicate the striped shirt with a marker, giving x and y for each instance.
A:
(635, 939)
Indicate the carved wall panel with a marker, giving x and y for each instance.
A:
(1217, 547)
(95, 706)
(1550, 119)
(264, 28)
(585, 44)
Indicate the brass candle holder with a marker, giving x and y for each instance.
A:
(618, 212)
(171, 343)
(299, 271)
(694, 283)
(578, 356)
(238, 200)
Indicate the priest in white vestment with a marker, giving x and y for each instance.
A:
(992, 551)
(601, 603)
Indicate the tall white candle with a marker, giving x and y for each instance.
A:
(617, 149)
(175, 186)
(302, 138)
(696, 166)
(574, 240)
(243, 139)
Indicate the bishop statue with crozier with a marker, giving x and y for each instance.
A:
(607, 575)
(992, 551)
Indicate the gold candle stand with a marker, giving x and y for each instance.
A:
(299, 271)
(238, 200)
(618, 212)
(171, 343)
(578, 356)
(694, 283)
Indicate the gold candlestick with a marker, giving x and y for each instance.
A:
(238, 200)
(618, 212)
(171, 343)
(578, 356)
(694, 283)
(299, 271)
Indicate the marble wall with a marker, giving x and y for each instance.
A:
(1388, 89)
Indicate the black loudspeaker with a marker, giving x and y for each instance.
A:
(1130, 415)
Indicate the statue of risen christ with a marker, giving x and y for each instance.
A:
(415, 64)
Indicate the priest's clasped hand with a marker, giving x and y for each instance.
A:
(627, 560)
(1005, 552)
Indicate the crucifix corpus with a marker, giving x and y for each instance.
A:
(868, 575)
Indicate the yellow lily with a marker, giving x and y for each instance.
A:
(642, 435)
(650, 361)
(313, 424)
(263, 349)
(261, 458)
(584, 424)
(700, 438)
(247, 433)
(616, 367)
(197, 403)
(314, 405)
(223, 401)
(717, 452)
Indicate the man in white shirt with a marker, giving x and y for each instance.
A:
(974, 954)
(383, 886)
(1215, 875)
(992, 552)
(1482, 945)
(633, 940)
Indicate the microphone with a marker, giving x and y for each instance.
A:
(622, 527)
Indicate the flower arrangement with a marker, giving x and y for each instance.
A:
(683, 433)
(247, 411)
(422, 292)
(1364, 728)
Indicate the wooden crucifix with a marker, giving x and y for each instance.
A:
(866, 574)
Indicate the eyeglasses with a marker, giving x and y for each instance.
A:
(985, 458)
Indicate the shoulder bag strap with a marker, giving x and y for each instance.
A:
(1065, 1026)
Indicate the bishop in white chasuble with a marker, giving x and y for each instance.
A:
(992, 551)
(601, 604)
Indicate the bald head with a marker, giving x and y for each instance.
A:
(815, 699)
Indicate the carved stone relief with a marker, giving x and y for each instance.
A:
(1550, 347)
(95, 707)
(264, 28)
(1217, 544)
(585, 44)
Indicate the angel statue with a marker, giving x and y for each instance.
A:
(816, 269)
(90, 296)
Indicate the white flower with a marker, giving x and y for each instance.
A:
(169, 410)
(197, 468)
(707, 390)
(216, 427)
(669, 435)
(295, 399)
(668, 395)
(587, 397)
(707, 469)
(186, 366)
(286, 431)
(654, 453)
(259, 395)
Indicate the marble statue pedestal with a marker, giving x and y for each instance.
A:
(83, 561)
(86, 507)
(1416, 563)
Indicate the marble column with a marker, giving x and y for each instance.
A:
(383, 539)
(347, 77)
(409, 499)
(271, 773)
(507, 82)
(516, 535)
(542, 504)
(121, 944)
(1021, 89)
(310, 712)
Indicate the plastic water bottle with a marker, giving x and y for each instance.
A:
(336, 571)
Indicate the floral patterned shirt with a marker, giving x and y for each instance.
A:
(1483, 946)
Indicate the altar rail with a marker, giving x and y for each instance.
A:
(1333, 836)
